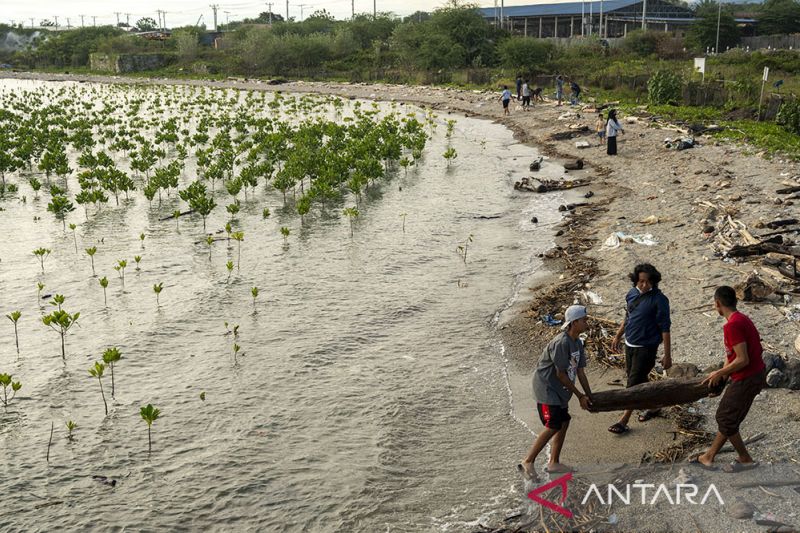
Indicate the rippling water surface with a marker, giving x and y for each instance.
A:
(369, 394)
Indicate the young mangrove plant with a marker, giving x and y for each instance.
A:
(6, 382)
(74, 236)
(450, 154)
(90, 252)
(14, 318)
(36, 185)
(462, 249)
(177, 215)
(229, 266)
(236, 349)
(403, 216)
(58, 300)
(61, 322)
(351, 213)
(41, 254)
(137, 259)
(39, 287)
(238, 236)
(209, 242)
(229, 230)
(60, 206)
(120, 268)
(253, 292)
(285, 232)
(71, 426)
(157, 289)
(265, 213)
(111, 356)
(149, 414)
(141, 238)
(104, 284)
(97, 372)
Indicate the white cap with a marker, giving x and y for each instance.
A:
(573, 313)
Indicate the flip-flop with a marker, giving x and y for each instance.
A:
(695, 461)
(618, 429)
(647, 415)
(736, 467)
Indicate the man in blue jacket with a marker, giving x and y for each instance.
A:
(646, 326)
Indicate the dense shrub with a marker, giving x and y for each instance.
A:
(664, 87)
(789, 116)
(528, 55)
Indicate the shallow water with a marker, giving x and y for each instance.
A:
(370, 391)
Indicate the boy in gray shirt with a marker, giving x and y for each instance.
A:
(561, 362)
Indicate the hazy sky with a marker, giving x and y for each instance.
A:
(184, 12)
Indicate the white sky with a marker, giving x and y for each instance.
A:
(186, 12)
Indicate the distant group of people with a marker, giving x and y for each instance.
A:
(646, 326)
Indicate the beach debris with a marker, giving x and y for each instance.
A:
(582, 144)
(652, 219)
(536, 165)
(793, 313)
(588, 298)
(105, 480)
(683, 370)
(543, 185)
(774, 378)
(679, 143)
(654, 394)
(550, 321)
(797, 344)
(741, 510)
(577, 164)
(753, 289)
(617, 238)
(575, 130)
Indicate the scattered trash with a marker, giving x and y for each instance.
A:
(589, 297)
(652, 219)
(681, 143)
(550, 321)
(793, 314)
(582, 144)
(615, 239)
(754, 289)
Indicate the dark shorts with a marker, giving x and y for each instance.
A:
(638, 363)
(505, 103)
(553, 416)
(526, 100)
(736, 402)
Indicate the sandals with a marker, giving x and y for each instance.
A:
(618, 428)
(695, 461)
(647, 415)
(736, 467)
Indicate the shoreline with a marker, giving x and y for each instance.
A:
(645, 180)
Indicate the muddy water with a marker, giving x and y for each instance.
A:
(369, 393)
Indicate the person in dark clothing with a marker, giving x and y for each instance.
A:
(745, 367)
(519, 87)
(576, 92)
(646, 326)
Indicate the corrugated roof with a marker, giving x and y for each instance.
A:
(558, 9)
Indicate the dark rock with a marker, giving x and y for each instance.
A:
(534, 220)
(708, 228)
(559, 233)
(588, 194)
(574, 165)
(792, 373)
(772, 360)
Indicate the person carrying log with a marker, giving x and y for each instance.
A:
(747, 372)
(562, 360)
(645, 327)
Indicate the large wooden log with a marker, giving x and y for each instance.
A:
(653, 394)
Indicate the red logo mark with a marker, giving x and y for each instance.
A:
(560, 482)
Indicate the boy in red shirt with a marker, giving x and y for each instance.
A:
(747, 372)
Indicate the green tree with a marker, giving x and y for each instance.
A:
(779, 17)
(524, 53)
(703, 32)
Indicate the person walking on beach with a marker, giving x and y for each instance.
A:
(645, 327)
(613, 127)
(600, 126)
(561, 362)
(576, 92)
(526, 95)
(519, 87)
(505, 97)
(747, 372)
(559, 89)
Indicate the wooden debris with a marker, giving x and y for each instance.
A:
(780, 223)
(542, 186)
(653, 395)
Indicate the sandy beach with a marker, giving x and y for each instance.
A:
(669, 199)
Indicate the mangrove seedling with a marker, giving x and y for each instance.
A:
(60, 321)
(253, 292)
(403, 216)
(111, 356)
(141, 238)
(451, 124)
(58, 300)
(39, 287)
(229, 266)
(35, 185)
(14, 318)
(71, 426)
(42, 254)
(6, 382)
(228, 230)
(104, 284)
(97, 372)
(74, 236)
(265, 213)
(209, 242)
(176, 215)
(137, 259)
(238, 236)
(450, 154)
(352, 214)
(285, 232)
(236, 349)
(90, 252)
(157, 289)
(203, 396)
(60, 206)
(462, 250)
(120, 267)
(149, 414)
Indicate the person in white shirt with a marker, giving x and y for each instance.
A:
(613, 127)
(526, 95)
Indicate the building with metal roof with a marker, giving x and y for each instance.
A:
(606, 18)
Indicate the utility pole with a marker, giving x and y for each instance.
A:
(374, 9)
(31, 22)
(81, 16)
(69, 27)
(502, 5)
(117, 13)
(644, 15)
(214, 8)
(601, 20)
(128, 19)
(269, 6)
(301, 6)
(158, 14)
(719, 16)
(353, 9)
(227, 18)
(94, 20)
(56, 19)
(164, 20)
(287, 10)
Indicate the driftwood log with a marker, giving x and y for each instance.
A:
(653, 394)
(763, 249)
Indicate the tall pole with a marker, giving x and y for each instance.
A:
(644, 15)
(502, 6)
(353, 9)
(301, 6)
(117, 13)
(591, 17)
(56, 18)
(583, 17)
(31, 22)
(719, 16)
(269, 6)
(164, 20)
(374, 9)
(81, 16)
(69, 26)
(94, 20)
(128, 19)
(601, 20)
(214, 8)
(287, 10)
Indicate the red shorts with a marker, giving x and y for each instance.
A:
(553, 416)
